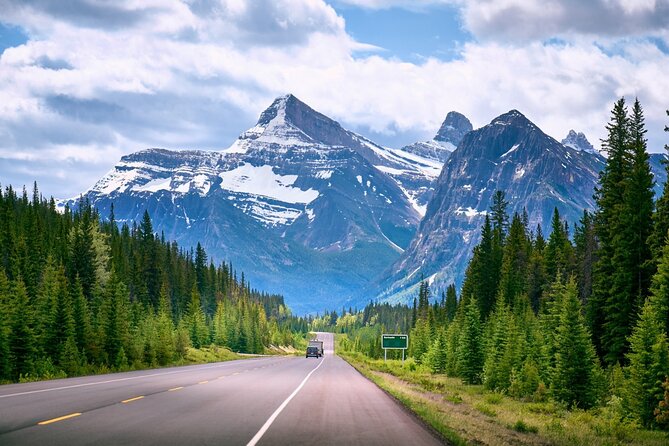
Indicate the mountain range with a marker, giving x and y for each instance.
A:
(329, 218)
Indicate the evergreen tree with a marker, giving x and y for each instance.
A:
(513, 281)
(574, 379)
(5, 308)
(536, 271)
(22, 343)
(199, 333)
(585, 248)
(649, 362)
(611, 279)
(436, 358)
(451, 303)
(470, 345)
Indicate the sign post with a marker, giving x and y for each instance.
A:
(395, 342)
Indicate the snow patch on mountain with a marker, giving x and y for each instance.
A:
(261, 180)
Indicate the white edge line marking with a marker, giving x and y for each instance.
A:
(283, 405)
(111, 381)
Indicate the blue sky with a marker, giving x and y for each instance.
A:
(409, 35)
(85, 82)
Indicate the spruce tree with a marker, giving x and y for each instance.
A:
(22, 343)
(585, 247)
(451, 303)
(470, 345)
(536, 271)
(5, 308)
(610, 278)
(515, 260)
(649, 362)
(199, 333)
(574, 378)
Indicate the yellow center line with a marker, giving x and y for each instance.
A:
(53, 420)
(236, 373)
(130, 400)
(203, 382)
(174, 388)
(221, 377)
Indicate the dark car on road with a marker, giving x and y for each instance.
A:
(313, 351)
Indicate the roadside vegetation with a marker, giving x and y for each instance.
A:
(84, 295)
(561, 340)
(471, 414)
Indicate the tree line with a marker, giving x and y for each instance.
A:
(79, 294)
(581, 317)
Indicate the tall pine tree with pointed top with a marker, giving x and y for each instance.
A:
(574, 377)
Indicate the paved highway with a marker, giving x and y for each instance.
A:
(264, 401)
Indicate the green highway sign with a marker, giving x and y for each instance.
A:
(400, 341)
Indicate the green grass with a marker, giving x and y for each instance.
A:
(466, 414)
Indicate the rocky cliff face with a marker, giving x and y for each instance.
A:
(303, 206)
(510, 154)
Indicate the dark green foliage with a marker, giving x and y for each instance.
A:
(470, 345)
(22, 342)
(574, 379)
(623, 225)
(649, 361)
(585, 247)
(451, 303)
(77, 294)
(483, 272)
(515, 261)
(559, 253)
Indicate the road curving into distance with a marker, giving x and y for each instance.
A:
(263, 401)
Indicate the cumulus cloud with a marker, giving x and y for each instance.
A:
(520, 20)
(196, 73)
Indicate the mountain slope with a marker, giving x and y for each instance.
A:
(294, 202)
(510, 154)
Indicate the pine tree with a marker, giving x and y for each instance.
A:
(451, 303)
(22, 343)
(513, 281)
(5, 308)
(83, 331)
(482, 275)
(585, 248)
(495, 375)
(199, 333)
(574, 379)
(536, 271)
(649, 353)
(470, 345)
(610, 279)
(70, 359)
(436, 358)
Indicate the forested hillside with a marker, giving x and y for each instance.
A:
(79, 295)
(580, 318)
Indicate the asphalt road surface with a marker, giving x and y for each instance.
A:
(264, 401)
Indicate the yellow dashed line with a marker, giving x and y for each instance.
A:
(130, 400)
(236, 373)
(203, 382)
(174, 389)
(53, 420)
(221, 377)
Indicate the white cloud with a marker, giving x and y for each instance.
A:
(196, 74)
(519, 20)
